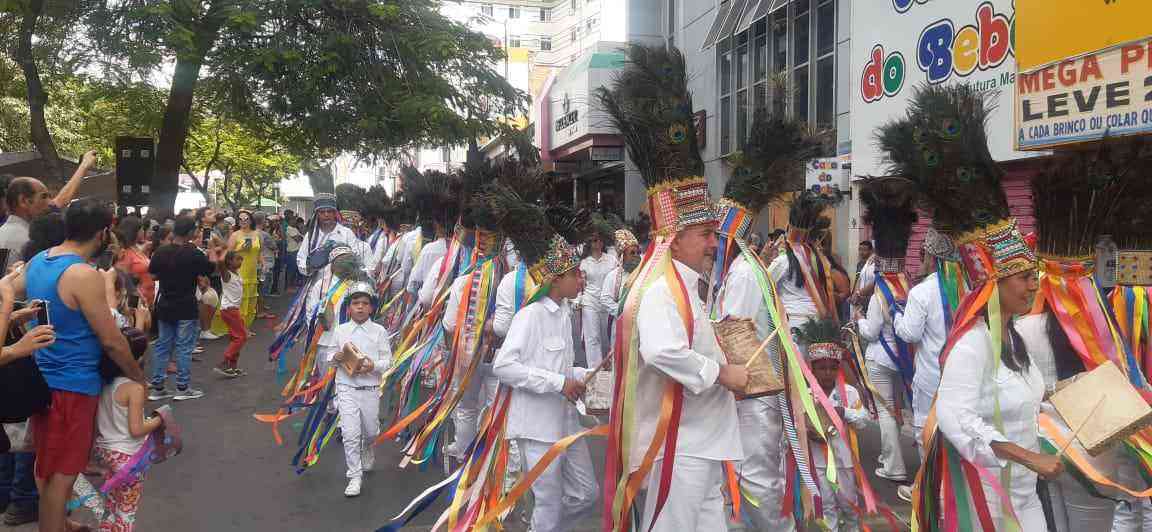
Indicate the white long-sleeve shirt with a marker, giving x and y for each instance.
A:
(922, 323)
(371, 339)
(506, 300)
(855, 415)
(1033, 328)
(339, 234)
(709, 427)
(535, 360)
(742, 298)
(594, 272)
(429, 255)
(610, 291)
(970, 387)
(796, 299)
(874, 326)
(406, 253)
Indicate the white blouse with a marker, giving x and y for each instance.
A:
(970, 386)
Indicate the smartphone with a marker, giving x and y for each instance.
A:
(42, 317)
(133, 301)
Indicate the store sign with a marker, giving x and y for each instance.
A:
(827, 176)
(607, 153)
(1085, 98)
(898, 45)
(1049, 31)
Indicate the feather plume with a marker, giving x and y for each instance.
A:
(808, 207)
(524, 223)
(574, 225)
(818, 332)
(890, 209)
(431, 195)
(772, 161)
(942, 145)
(650, 105)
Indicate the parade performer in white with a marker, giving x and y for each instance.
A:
(363, 354)
(323, 233)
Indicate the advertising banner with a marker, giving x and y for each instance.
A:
(1048, 31)
(827, 175)
(898, 45)
(1085, 98)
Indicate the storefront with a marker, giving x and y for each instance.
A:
(576, 137)
(901, 44)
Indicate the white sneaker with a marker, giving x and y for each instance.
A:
(353, 489)
(368, 459)
(207, 335)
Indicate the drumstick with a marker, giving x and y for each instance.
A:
(1081, 427)
(592, 374)
(761, 349)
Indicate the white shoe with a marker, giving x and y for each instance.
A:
(368, 458)
(207, 335)
(353, 489)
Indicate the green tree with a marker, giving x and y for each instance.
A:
(361, 76)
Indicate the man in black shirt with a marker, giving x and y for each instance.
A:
(177, 267)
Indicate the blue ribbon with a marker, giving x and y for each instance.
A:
(902, 356)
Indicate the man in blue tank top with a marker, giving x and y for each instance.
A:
(77, 304)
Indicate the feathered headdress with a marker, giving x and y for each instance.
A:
(822, 338)
(573, 224)
(807, 209)
(546, 253)
(889, 207)
(942, 146)
(430, 193)
(650, 105)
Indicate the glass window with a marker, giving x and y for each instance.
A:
(802, 6)
(741, 118)
(591, 22)
(573, 35)
(725, 70)
(780, 42)
(825, 28)
(726, 124)
(545, 14)
(671, 17)
(760, 57)
(800, 40)
(742, 67)
(825, 92)
(760, 96)
(513, 12)
(800, 93)
(514, 42)
(545, 43)
(486, 10)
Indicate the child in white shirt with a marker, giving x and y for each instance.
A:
(358, 389)
(232, 295)
(839, 513)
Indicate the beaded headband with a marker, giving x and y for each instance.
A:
(677, 204)
(351, 218)
(560, 258)
(995, 251)
(735, 219)
(889, 264)
(825, 351)
(625, 238)
(940, 245)
(1134, 267)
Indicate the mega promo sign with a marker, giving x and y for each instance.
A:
(898, 45)
(1108, 93)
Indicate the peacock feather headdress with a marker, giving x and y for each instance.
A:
(889, 207)
(649, 103)
(942, 145)
(822, 338)
(545, 251)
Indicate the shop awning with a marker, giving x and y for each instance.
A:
(736, 16)
(756, 12)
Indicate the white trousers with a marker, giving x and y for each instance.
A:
(762, 469)
(466, 415)
(921, 405)
(359, 423)
(694, 502)
(1133, 515)
(566, 490)
(891, 457)
(838, 513)
(594, 329)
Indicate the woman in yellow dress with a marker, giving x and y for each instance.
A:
(245, 241)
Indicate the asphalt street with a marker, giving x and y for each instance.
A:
(232, 476)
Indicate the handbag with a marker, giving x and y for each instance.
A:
(23, 390)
